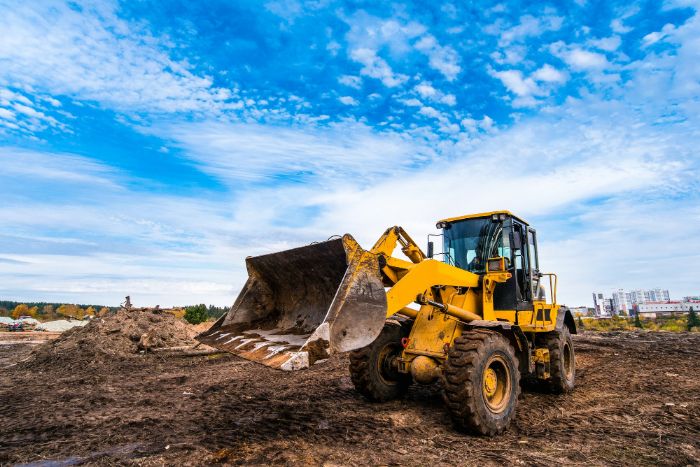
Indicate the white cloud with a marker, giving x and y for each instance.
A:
(608, 44)
(511, 55)
(549, 74)
(412, 102)
(530, 26)
(486, 123)
(473, 126)
(426, 90)
(348, 100)
(376, 67)
(54, 168)
(429, 93)
(618, 26)
(654, 37)
(516, 83)
(441, 58)
(237, 153)
(351, 81)
(430, 112)
(25, 116)
(90, 54)
(6, 114)
(369, 35)
(449, 99)
(371, 32)
(578, 58)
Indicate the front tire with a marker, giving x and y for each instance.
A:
(481, 382)
(562, 362)
(374, 370)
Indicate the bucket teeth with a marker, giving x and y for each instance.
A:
(301, 305)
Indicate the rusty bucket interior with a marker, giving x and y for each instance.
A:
(301, 305)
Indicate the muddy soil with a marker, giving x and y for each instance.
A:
(637, 402)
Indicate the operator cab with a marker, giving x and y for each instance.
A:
(469, 242)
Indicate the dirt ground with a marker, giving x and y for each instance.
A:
(637, 402)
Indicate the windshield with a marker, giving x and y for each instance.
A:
(469, 243)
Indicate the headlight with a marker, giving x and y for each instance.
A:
(496, 264)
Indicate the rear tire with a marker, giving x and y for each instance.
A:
(373, 368)
(481, 382)
(562, 362)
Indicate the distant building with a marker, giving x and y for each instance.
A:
(635, 297)
(668, 308)
(621, 303)
(599, 302)
(656, 309)
(657, 295)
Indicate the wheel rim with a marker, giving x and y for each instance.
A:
(386, 368)
(496, 384)
(568, 362)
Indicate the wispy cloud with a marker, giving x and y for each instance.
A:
(376, 67)
(529, 26)
(240, 152)
(85, 51)
(580, 59)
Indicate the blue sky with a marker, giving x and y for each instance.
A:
(147, 147)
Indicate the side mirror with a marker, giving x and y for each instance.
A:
(430, 249)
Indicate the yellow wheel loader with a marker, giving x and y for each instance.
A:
(478, 320)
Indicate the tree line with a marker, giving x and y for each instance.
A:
(45, 311)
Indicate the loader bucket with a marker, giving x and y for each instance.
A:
(299, 306)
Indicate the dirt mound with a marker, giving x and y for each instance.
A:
(123, 335)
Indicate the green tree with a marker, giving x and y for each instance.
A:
(196, 314)
(693, 319)
(580, 322)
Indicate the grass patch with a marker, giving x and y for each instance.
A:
(617, 323)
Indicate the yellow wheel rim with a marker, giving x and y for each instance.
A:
(497, 384)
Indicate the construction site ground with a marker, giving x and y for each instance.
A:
(637, 402)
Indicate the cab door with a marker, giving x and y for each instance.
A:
(522, 269)
(544, 313)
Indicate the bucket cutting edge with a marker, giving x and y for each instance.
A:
(300, 306)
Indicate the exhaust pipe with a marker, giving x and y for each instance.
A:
(299, 306)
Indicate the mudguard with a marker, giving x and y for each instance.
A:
(565, 318)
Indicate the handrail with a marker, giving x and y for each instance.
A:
(552, 285)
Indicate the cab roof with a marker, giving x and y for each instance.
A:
(480, 215)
